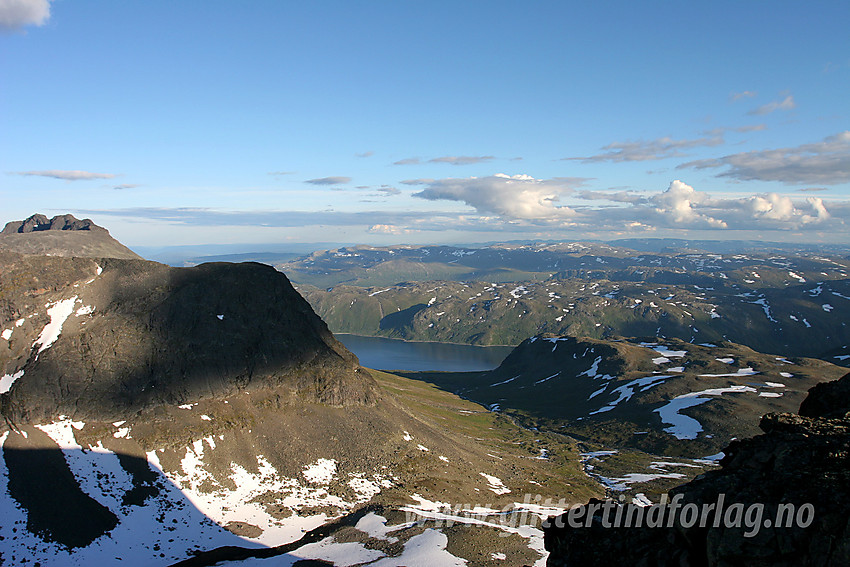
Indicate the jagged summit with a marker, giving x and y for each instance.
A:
(39, 222)
(62, 235)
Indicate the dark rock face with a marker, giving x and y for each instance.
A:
(830, 399)
(149, 334)
(800, 465)
(38, 223)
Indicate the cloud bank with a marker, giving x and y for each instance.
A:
(513, 197)
(821, 163)
(525, 199)
(560, 208)
(647, 150)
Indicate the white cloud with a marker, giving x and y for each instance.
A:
(682, 205)
(335, 180)
(16, 14)
(67, 175)
(646, 150)
(512, 197)
(821, 163)
(785, 104)
(387, 229)
(680, 202)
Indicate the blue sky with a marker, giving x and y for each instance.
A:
(428, 122)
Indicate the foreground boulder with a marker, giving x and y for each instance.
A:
(796, 474)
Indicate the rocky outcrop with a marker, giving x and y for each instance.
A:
(137, 334)
(783, 497)
(38, 223)
(62, 235)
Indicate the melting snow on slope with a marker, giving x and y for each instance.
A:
(321, 472)
(495, 484)
(59, 312)
(664, 351)
(686, 427)
(366, 488)
(594, 368)
(7, 380)
(626, 391)
(254, 492)
(159, 531)
(444, 511)
(740, 372)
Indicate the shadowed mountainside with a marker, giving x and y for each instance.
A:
(136, 334)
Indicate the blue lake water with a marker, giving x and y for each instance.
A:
(393, 354)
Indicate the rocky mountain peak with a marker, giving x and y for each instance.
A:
(39, 222)
(62, 235)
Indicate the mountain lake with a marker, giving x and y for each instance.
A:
(394, 354)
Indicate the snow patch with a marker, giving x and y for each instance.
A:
(321, 472)
(8, 379)
(59, 313)
(495, 484)
(686, 427)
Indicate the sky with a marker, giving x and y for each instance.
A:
(182, 123)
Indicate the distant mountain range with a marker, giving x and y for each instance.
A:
(795, 305)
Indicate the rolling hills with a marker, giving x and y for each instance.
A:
(795, 305)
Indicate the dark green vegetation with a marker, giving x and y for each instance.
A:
(789, 304)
